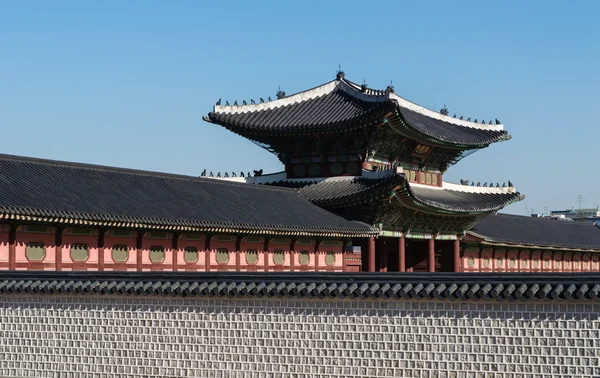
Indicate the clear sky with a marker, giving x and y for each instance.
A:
(126, 83)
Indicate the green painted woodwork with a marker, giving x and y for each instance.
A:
(157, 254)
(304, 241)
(304, 258)
(79, 252)
(251, 256)
(120, 253)
(278, 257)
(35, 251)
(330, 243)
(470, 262)
(36, 229)
(314, 170)
(223, 238)
(158, 235)
(330, 258)
(122, 233)
(192, 236)
(222, 255)
(190, 254)
(280, 241)
(81, 231)
(253, 239)
(352, 169)
(336, 169)
(486, 262)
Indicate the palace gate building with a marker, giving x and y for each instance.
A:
(362, 190)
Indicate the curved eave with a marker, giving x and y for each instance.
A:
(370, 118)
(396, 189)
(20, 214)
(432, 206)
(399, 123)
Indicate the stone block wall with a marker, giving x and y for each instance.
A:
(133, 336)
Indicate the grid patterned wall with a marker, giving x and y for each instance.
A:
(119, 336)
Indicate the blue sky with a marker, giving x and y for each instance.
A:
(127, 83)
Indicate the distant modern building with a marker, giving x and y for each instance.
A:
(578, 215)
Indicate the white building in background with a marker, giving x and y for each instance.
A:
(586, 215)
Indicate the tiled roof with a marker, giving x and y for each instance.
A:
(53, 191)
(432, 286)
(447, 131)
(341, 104)
(325, 111)
(341, 192)
(518, 229)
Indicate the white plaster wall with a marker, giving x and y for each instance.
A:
(120, 336)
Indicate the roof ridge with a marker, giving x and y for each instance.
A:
(287, 100)
(106, 168)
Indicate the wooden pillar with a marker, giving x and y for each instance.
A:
(238, 262)
(58, 245)
(207, 252)
(12, 246)
(317, 255)
(382, 252)
(101, 250)
(266, 254)
(174, 251)
(402, 254)
(371, 254)
(431, 255)
(457, 265)
(292, 254)
(138, 259)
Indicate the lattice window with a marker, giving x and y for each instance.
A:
(190, 254)
(120, 253)
(79, 252)
(35, 251)
(222, 255)
(157, 254)
(252, 256)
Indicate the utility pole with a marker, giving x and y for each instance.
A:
(579, 199)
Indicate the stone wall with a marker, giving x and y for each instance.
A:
(130, 336)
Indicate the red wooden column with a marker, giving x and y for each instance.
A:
(457, 255)
(431, 255)
(238, 255)
(138, 251)
(371, 254)
(292, 254)
(58, 249)
(12, 246)
(402, 254)
(101, 249)
(174, 251)
(383, 263)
